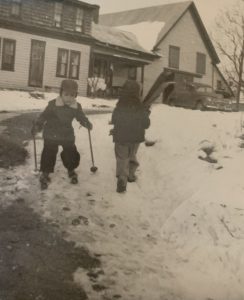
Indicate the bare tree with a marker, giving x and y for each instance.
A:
(229, 38)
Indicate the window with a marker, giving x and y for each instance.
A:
(62, 64)
(8, 54)
(174, 57)
(79, 20)
(68, 64)
(205, 89)
(219, 85)
(58, 8)
(201, 63)
(74, 64)
(15, 8)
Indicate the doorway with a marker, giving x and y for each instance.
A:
(36, 63)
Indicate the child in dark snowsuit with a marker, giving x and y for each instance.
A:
(56, 122)
(130, 119)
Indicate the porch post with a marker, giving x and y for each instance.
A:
(142, 79)
(90, 71)
(91, 65)
(110, 77)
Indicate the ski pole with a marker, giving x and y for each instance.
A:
(93, 168)
(34, 144)
(241, 121)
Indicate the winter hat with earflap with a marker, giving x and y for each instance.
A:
(69, 85)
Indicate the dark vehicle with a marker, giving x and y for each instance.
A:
(196, 96)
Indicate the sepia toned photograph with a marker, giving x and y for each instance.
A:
(121, 150)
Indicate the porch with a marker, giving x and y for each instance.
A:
(108, 73)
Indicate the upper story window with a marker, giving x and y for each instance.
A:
(58, 10)
(174, 57)
(79, 20)
(201, 63)
(15, 8)
(8, 54)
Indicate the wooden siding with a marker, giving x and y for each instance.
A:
(4, 8)
(19, 78)
(37, 12)
(88, 16)
(186, 36)
(41, 13)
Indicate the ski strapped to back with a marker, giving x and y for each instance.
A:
(163, 80)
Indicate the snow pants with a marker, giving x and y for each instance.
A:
(126, 161)
(70, 156)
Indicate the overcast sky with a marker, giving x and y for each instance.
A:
(208, 9)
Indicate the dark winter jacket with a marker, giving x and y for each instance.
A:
(56, 121)
(130, 118)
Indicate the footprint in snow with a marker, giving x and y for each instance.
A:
(79, 220)
(66, 208)
(92, 201)
(151, 238)
(144, 226)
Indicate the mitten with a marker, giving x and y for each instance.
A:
(35, 128)
(111, 132)
(88, 125)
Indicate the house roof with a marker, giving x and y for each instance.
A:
(115, 37)
(146, 38)
(168, 15)
(82, 3)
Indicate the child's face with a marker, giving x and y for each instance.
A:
(68, 97)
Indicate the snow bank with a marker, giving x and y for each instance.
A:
(145, 32)
(21, 101)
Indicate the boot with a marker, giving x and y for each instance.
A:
(73, 176)
(132, 178)
(44, 180)
(121, 186)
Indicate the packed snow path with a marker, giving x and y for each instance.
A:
(178, 232)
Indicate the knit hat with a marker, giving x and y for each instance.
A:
(69, 85)
(131, 88)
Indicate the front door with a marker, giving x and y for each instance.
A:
(36, 63)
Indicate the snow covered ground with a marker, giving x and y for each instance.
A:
(22, 101)
(178, 231)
